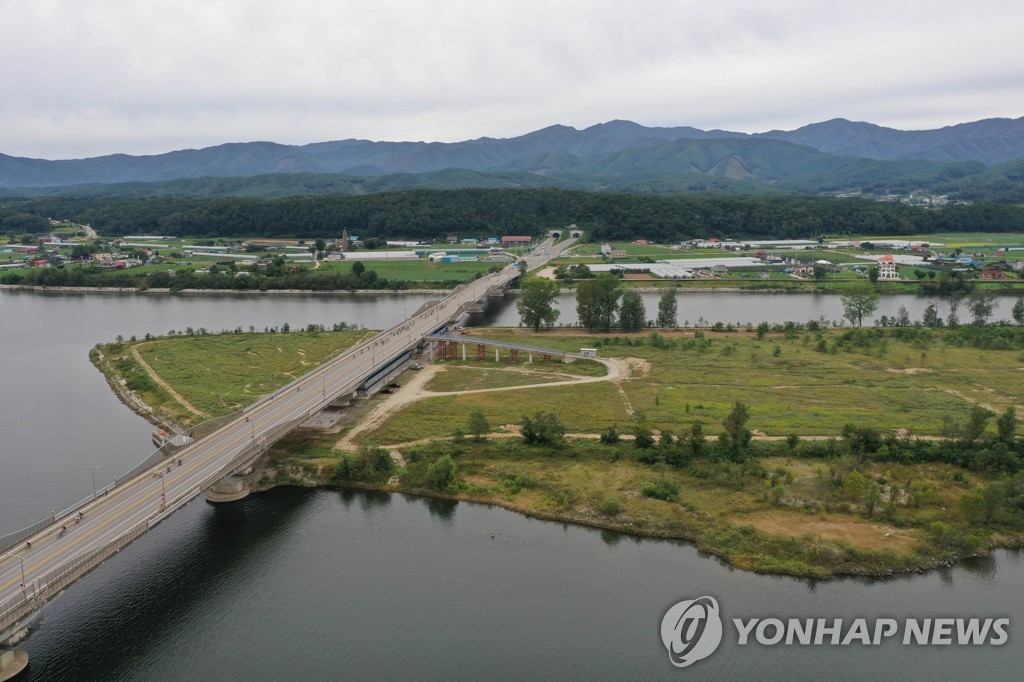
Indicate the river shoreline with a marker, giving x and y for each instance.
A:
(282, 473)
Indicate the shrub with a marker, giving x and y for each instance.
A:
(543, 429)
(443, 475)
(611, 436)
(611, 507)
(664, 489)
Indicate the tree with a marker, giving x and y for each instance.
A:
(358, 268)
(696, 439)
(1006, 425)
(859, 303)
(872, 496)
(981, 305)
(737, 436)
(611, 436)
(632, 314)
(536, 303)
(931, 318)
(320, 245)
(643, 436)
(443, 474)
(607, 290)
(1018, 311)
(977, 420)
(955, 296)
(902, 317)
(544, 428)
(668, 308)
(585, 304)
(478, 425)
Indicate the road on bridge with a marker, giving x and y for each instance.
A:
(152, 495)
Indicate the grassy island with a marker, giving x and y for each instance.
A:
(789, 449)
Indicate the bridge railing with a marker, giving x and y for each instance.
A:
(46, 587)
(167, 449)
(177, 443)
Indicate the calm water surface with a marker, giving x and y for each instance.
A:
(333, 585)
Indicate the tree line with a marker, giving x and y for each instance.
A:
(430, 214)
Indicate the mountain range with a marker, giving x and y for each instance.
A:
(983, 159)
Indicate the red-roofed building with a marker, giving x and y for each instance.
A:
(887, 268)
(513, 240)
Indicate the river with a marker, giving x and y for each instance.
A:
(337, 584)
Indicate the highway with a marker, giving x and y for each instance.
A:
(28, 569)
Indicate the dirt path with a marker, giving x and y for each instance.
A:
(414, 390)
(411, 392)
(163, 384)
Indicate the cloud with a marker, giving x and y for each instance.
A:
(102, 76)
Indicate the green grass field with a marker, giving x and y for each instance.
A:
(795, 389)
(221, 373)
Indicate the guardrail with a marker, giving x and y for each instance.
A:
(53, 583)
(158, 455)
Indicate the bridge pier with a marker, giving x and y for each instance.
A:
(230, 489)
(12, 663)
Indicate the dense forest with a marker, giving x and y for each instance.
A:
(425, 214)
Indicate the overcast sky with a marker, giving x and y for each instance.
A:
(89, 77)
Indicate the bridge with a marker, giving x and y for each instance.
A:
(39, 562)
(447, 347)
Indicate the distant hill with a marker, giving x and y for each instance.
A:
(991, 141)
(832, 156)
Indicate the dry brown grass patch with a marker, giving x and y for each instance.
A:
(863, 535)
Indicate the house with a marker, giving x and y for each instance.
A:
(516, 240)
(887, 268)
(618, 253)
(992, 274)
